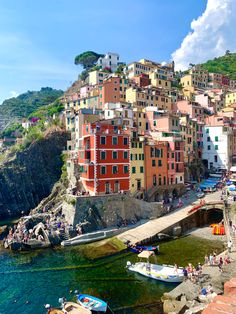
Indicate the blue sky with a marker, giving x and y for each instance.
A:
(39, 39)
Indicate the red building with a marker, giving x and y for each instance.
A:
(104, 159)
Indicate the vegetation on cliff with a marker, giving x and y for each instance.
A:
(225, 65)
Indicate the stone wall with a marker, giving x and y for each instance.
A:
(29, 176)
(99, 212)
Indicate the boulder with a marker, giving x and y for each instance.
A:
(3, 231)
(174, 306)
(186, 288)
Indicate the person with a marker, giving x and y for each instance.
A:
(206, 260)
(214, 258)
(229, 246)
(204, 291)
(211, 259)
(209, 288)
(176, 269)
(199, 269)
(185, 272)
(230, 223)
(220, 265)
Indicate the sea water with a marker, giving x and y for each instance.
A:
(28, 280)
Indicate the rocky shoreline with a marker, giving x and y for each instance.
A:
(186, 297)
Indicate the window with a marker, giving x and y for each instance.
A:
(103, 140)
(154, 180)
(153, 162)
(125, 141)
(215, 158)
(133, 169)
(159, 180)
(172, 166)
(207, 131)
(216, 147)
(140, 145)
(114, 169)
(216, 138)
(114, 140)
(125, 155)
(209, 147)
(114, 155)
(208, 139)
(159, 163)
(142, 156)
(103, 169)
(141, 169)
(103, 155)
(126, 169)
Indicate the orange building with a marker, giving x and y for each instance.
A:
(113, 90)
(104, 159)
(156, 172)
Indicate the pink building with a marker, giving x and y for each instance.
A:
(192, 108)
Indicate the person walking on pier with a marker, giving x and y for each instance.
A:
(229, 246)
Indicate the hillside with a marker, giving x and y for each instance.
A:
(14, 109)
(224, 65)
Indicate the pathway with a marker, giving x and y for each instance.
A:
(155, 226)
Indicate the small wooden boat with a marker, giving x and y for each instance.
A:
(139, 248)
(92, 303)
(55, 311)
(74, 308)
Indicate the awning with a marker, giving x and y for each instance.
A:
(233, 169)
(146, 254)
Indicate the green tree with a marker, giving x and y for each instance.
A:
(87, 59)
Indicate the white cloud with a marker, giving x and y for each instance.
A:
(212, 34)
(14, 93)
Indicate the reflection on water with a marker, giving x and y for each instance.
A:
(42, 277)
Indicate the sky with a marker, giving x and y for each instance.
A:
(40, 39)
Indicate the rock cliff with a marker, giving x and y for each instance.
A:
(29, 176)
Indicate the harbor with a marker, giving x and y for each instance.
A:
(53, 273)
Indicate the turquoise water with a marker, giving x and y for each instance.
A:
(42, 277)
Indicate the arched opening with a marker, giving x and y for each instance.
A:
(214, 215)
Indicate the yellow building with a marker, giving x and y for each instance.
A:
(97, 77)
(189, 134)
(159, 79)
(145, 97)
(137, 165)
(139, 120)
(197, 78)
(230, 98)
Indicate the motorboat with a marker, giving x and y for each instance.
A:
(166, 273)
(139, 248)
(91, 237)
(92, 303)
(75, 308)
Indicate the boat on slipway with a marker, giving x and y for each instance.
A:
(166, 273)
(139, 248)
(92, 303)
(91, 237)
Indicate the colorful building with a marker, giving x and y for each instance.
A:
(104, 159)
(137, 165)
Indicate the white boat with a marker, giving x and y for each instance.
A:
(91, 237)
(167, 273)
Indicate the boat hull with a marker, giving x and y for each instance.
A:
(92, 303)
(158, 272)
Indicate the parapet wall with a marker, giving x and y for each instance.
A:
(96, 212)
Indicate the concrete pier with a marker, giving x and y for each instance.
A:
(149, 231)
